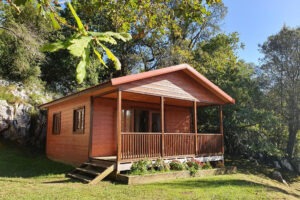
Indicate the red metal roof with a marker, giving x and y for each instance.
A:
(115, 82)
(186, 68)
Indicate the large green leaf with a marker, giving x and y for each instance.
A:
(126, 36)
(121, 36)
(55, 23)
(111, 56)
(107, 39)
(55, 46)
(81, 71)
(100, 57)
(81, 67)
(77, 19)
(78, 45)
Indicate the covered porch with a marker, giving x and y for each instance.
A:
(157, 126)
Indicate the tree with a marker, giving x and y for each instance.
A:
(249, 126)
(149, 48)
(82, 42)
(161, 38)
(20, 43)
(281, 65)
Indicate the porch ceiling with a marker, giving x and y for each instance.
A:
(153, 99)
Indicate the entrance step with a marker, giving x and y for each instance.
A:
(92, 171)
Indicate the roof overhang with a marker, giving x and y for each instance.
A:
(116, 82)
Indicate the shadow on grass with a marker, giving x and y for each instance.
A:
(61, 181)
(198, 183)
(260, 169)
(21, 162)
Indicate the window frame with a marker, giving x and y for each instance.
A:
(134, 110)
(124, 124)
(54, 125)
(77, 130)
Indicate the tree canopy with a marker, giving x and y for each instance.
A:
(281, 67)
(81, 43)
(67, 47)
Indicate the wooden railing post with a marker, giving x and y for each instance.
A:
(119, 121)
(195, 127)
(91, 126)
(162, 124)
(221, 126)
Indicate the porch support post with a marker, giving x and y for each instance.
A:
(221, 126)
(91, 126)
(162, 124)
(119, 119)
(195, 127)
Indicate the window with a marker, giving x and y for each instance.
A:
(141, 121)
(78, 120)
(137, 120)
(56, 123)
(127, 120)
(155, 122)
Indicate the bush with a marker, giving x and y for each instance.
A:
(158, 165)
(207, 165)
(6, 94)
(193, 170)
(193, 166)
(167, 167)
(140, 167)
(194, 163)
(219, 164)
(176, 165)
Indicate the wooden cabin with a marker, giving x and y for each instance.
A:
(147, 115)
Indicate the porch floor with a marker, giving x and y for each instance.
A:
(108, 158)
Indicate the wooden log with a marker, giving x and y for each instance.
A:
(195, 127)
(221, 126)
(119, 121)
(162, 124)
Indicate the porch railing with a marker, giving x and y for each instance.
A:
(176, 144)
(209, 144)
(140, 145)
(149, 145)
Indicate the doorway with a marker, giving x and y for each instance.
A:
(147, 121)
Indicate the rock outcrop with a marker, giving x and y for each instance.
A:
(286, 164)
(277, 176)
(21, 121)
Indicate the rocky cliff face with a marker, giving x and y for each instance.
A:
(20, 120)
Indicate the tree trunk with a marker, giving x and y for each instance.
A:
(291, 141)
(293, 125)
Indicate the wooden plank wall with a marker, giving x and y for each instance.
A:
(104, 128)
(68, 147)
(177, 119)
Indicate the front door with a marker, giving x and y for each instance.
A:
(146, 121)
(155, 122)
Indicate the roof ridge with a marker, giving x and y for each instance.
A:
(142, 75)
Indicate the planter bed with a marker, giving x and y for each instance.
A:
(151, 178)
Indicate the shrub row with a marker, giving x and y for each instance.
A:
(145, 166)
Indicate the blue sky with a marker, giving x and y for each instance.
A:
(255, 20)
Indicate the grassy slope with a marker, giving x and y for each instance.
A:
(27, 176)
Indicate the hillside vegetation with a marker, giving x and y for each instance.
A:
(47, 45)
(28, 175)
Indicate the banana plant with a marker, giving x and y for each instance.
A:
(80, 44)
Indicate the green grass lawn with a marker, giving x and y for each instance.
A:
(24, 175)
